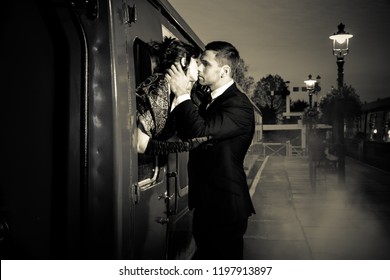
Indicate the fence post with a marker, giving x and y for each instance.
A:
(288, 148)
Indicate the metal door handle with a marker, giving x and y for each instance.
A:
(162, 220)
(165, 196)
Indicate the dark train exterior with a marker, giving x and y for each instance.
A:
(369, 138)
(73, 185)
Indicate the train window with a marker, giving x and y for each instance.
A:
(386, 132)
(143, 65)
(143, 61)
(373, 129)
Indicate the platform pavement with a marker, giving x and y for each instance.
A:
(294, 221)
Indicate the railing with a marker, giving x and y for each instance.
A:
(296, 151)
(279, 149)
(275, 149)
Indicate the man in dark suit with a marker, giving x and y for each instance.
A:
(218, 191)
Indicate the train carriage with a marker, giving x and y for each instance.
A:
(74, 186)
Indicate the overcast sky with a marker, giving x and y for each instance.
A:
(291, 38)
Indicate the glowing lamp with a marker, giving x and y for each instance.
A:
(340, 41)
(310, 83)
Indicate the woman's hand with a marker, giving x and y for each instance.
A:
(142, 141)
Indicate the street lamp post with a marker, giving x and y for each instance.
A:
(312, 87)
(340, 49)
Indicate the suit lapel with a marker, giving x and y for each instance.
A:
(202, 109)
(220, 99)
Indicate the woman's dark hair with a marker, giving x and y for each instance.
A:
(171, 50)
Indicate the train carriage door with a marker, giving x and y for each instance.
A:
(180, 242)
(162, 220)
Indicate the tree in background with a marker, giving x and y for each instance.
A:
(311, 116)
(299, 105)
(348, 100)
(242, 78)
(270, 96)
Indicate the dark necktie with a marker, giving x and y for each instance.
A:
(206, 100)
(203, 94)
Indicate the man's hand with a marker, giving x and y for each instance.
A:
(178, 81)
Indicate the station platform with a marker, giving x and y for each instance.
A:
(297, 220)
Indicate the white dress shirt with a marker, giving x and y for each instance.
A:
(219, 91)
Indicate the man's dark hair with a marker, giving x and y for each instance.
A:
(171, 50)
(226, 53)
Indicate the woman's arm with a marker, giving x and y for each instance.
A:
(155, 147)
(142, 142)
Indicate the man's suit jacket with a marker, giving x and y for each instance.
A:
(217, 182)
